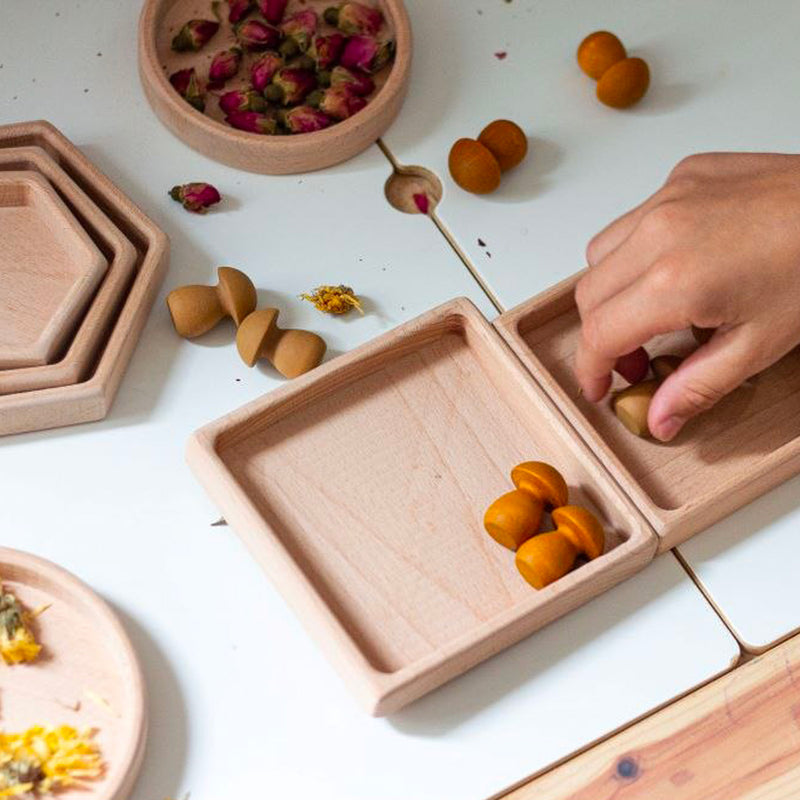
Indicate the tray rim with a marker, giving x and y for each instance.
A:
(378, 691)
(133, 755)
(67, 317)
(672, 526)
(283, 154)
(87, 338)
(91, 399)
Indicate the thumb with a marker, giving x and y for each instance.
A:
(702, 380)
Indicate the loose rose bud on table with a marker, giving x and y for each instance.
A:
(196, 197)
(194, 35)
(187, 85)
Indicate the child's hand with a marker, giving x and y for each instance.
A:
(718, 247)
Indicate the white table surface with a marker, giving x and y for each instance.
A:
(723, 73)
(240, 698)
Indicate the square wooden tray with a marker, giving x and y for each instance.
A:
(49, 270)
(746, 445)
(361, 486)
(90, 399)
(79, 359)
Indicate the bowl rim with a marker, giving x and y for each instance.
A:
(152, 71)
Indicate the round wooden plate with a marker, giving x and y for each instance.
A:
(275, 155)
(87, 674)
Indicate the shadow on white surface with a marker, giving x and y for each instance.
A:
(167, 741)
(530, 178)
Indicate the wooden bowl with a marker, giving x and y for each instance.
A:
(86, 676)
(272, 155)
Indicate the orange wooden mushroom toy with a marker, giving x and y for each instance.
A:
(515, 517)
(545, 558)
(621, 81)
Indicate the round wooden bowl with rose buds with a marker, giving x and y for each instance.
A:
(269, 154)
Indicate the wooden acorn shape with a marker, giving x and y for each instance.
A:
(549, 556)
(195, 310)
(516, 516)
(291, 352)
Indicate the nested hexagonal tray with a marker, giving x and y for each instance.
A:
(49, 269)
(91, 398)
(81, 354)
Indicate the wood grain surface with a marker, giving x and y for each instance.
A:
(738, 738)
(361, 489)
(49, 270)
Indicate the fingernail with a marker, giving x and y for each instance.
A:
(669, 428)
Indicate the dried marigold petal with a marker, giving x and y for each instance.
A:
(17, 642)
(334, 299)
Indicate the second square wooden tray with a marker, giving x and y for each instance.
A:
(361, 488)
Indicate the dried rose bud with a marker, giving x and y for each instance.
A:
(195, 34)
(303, 119)
(238, 10)
(290, 86)
(326, 50)
(354, 19)
(196, 197)
(338, 102)
(421, 201)
(263, 71)
(254, 35)
(272, 10)
(224, 66)
(298, 29)
(358, 82)
(188, 87)
(252, 122)
(242, 100)
(366, 53)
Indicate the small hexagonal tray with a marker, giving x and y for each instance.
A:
(90, 336)
(49, 270)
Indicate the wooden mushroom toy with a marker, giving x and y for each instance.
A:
(515, 517)
(291, 352)
(545, 558)
(195, 310)
(632, 405)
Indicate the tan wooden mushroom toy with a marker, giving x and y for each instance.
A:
(291, 352)
(549, 556)
(195, 310)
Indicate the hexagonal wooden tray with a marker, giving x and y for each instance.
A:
(86, 676)
(748, 444)
(78, 360)
(49, 269)
(92, 397)
(361, 486)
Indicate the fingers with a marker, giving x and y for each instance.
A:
(710, 373)
(624, 322)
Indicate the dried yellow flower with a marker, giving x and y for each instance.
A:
(334, 299)
(44, 759)
(17, 642)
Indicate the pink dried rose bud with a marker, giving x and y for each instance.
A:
(354, 19)
(196, 197)
(298, 30)
(366, 53)
(254, 35)
(194, 35)
(263, 71)
(242, 100)
(188, 87)
(358, 82)
(327, 50)
(634, 366)
(303, 119)
(422, 202)
(338, 102)
(252, 122)
(272, 10)
(238, 10)
(224, 66)
(290, 86)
